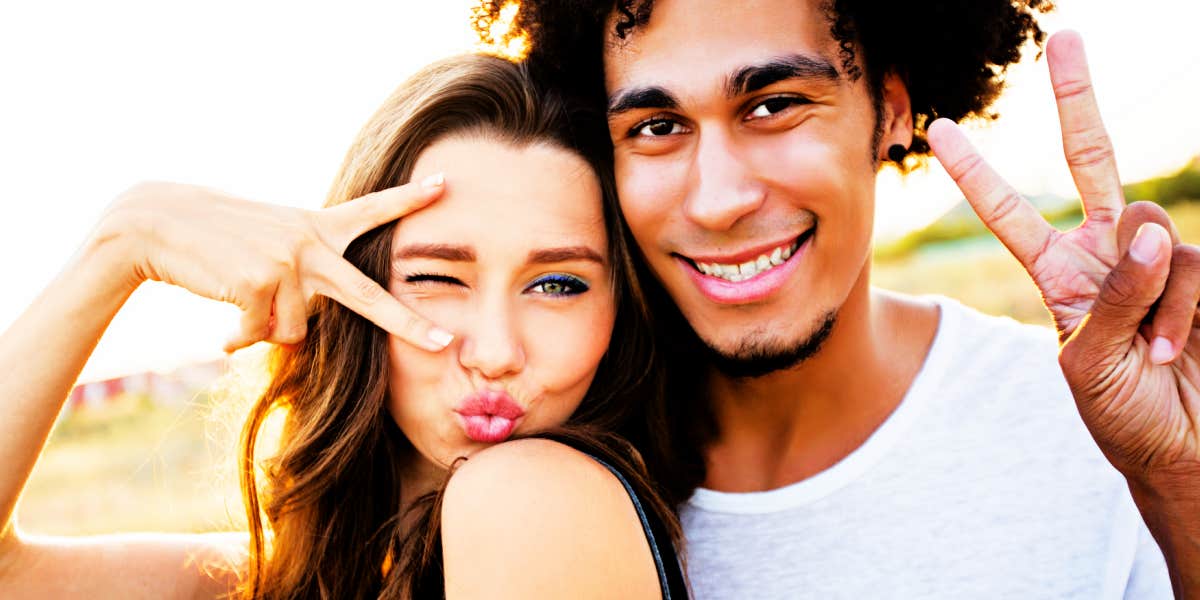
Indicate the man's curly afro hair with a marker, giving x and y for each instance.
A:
(952, 54)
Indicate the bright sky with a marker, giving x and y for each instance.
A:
(261, 99)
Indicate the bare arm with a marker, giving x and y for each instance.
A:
(536, 519)
(41, 355)
(268, 260)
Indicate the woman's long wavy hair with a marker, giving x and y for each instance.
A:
(331, 494)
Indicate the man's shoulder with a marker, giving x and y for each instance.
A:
(997, 378)
(999, 343)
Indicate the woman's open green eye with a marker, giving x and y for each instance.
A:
(558, 285)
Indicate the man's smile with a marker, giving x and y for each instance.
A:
(749, 264)
(749, 276)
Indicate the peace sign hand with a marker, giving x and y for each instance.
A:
(268, 260)
(1122, 292)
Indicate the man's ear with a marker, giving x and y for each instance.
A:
(895, 119)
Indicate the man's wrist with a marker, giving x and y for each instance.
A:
(1169, 500)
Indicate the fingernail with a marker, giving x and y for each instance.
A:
(433, 181)
(440, 337)
(1146, 243)
(1161, 351)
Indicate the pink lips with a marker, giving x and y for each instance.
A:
(757, 288)
(489, 415)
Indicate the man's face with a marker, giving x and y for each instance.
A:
(745, 164)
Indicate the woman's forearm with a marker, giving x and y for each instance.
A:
(42, 353)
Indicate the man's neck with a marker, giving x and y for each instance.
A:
(787, 426)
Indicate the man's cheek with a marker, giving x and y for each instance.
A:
(647, 195)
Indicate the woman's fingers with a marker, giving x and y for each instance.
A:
(341, 224)
(1006, 213)
(350, 288)
(1086, 144)
(256, 317)
(290, 321)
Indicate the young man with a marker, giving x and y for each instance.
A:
(863, 443)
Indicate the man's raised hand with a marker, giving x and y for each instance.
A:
(1121, 290)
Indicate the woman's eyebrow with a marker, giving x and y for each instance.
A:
(449, 252)
(564, 254)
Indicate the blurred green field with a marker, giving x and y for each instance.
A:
(135, 465)
(138, 465)
(981, 273)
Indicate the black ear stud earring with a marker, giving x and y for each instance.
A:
(897, 152)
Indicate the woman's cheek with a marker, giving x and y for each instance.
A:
(569, 343)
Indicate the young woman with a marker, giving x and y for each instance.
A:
(522, 265)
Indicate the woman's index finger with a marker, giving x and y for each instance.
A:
(349, 287)
(342, 223)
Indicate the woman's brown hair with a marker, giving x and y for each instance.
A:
(332, 494)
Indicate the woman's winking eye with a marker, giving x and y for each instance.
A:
(421, 278)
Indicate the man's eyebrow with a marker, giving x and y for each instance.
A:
(752, 78)
(436, 251)
(641, 97)
(555, 255)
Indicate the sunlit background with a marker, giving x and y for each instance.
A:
(261, 99)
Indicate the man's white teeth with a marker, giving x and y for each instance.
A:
(750, 268)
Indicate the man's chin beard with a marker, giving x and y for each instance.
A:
(755, 359)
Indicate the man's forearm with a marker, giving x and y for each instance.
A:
(1170, 505)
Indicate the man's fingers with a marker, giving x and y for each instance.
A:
(1014, 220)
(341, 224)
(1086, 144)
(1137, 214)
(350, 288)
(1126, 296)
(290, 323)
(1176, 312)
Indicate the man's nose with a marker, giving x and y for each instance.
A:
(491, 345)
(723, 186)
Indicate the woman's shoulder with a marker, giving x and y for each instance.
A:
(538, 462)
(536, 517)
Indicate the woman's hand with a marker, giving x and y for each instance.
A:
(268, 260)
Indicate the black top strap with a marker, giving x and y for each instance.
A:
(666, 560)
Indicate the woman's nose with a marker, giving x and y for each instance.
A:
(492, 346)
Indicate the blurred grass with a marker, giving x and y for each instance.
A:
(981, 273)
(134, 465)
(138, 465)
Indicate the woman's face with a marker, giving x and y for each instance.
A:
(513, 260)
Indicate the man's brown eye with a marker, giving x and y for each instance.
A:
(657, 128)
(771, 106)
(662, 128)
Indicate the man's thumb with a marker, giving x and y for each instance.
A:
(1127, 294)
